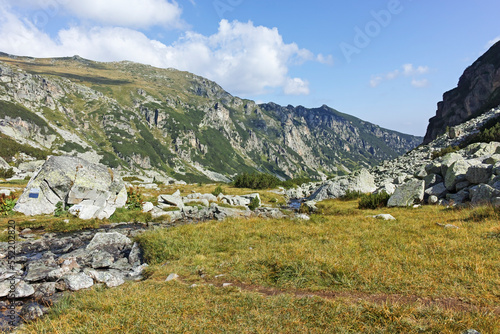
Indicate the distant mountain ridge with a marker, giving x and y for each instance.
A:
(168, 124)
(477, 92)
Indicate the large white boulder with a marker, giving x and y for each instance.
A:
(94, 189)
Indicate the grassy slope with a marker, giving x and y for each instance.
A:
(408, 275)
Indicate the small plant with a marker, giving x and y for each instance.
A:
(254, 203)
(60, 210)
(217, 191)
(7, 203)
(134, 198)
(373, 201)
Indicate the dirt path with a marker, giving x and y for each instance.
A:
(449, 303)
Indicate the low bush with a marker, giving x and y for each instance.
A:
(131, 179)
(254, 203)
(444, 151)
(266, 181)
(294, 182)
(217, 191)
(351, 195)
(489, 131)
(6, 173)
(256, 181)
(373, 201)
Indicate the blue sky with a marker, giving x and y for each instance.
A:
(384, 61)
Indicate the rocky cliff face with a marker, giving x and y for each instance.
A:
(166, 124)
(478, 91)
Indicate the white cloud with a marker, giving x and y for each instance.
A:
(241, 57)
(420, 83)
(328, 60)
(407, 70)
(296, 86)
(492, 42)
(376, 81)
(123, 13)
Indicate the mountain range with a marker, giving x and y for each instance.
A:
(168, 124)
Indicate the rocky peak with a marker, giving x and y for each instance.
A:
(477, 92)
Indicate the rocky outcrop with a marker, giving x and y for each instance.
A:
(89, 190)
(407, 194)
(361, 181)
(202, 207)
(478, 91)
(468, 176)
(43, 269)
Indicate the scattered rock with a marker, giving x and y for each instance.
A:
(433, 199)
(471, 331)
(107, 240)
(172, 277)
(147, 207)
(407, 194)
(31, 311)
(384, 216)
(78, 281)
(447, 226)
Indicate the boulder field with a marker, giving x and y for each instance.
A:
(470, 175)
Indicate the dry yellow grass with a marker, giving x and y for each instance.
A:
(372, 276)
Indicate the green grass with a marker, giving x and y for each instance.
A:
(9, 148)
(13, 110)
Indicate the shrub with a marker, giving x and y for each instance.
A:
(217, 191)
(134, 198)
(131, 179)
(7, 203)
(266, 181)
(444, 151)
(6, 173)
(254, 203)
(294, 182)
(373, 201)
(256, 181)
(489, 131)
(351, 195)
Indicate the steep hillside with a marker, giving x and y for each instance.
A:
(167, 123)
(478, 91)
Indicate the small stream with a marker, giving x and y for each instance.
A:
(294, 204)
